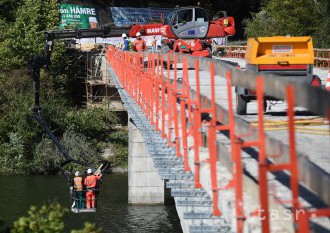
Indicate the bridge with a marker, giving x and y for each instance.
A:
(227, 173)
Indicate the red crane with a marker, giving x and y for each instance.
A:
(189, 30)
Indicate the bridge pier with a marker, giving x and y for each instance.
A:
(144, 183)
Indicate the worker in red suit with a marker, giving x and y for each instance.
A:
(139, 44)
(91, 182)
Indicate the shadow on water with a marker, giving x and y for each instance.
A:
(114, 213)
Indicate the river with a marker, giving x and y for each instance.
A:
(114, 213)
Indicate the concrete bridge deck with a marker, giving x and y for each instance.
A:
(315, 146)
(194, 205)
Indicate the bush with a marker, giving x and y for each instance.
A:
(12, 160)
(93, 122)
(47, 219)
(47, 157)
(119, 148)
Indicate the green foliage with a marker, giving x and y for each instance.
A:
(292, 17)
(14, 161)
(93, 122)
(47, 157)
(88, 228)
(24, 147)
(118, 148)
(8, 8)
(25, 36)
(48, 218)
(119, 137)
(18, 130)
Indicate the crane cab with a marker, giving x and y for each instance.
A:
(186, 23)
(194, 23)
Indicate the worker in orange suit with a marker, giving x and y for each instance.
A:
(91, 184)
(139, 44)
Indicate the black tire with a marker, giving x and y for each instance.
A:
(265, 106)
(241, 105)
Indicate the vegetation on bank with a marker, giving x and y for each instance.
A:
(292, 17)
(47, 218)
(24, 147)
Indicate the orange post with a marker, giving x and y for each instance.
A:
(183, 102)
(163, 84)
(293, 156)
(213, 147)
(236, 146)
(197, 127)
(175, 108)
(263, 183)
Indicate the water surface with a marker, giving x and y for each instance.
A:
(114, 213)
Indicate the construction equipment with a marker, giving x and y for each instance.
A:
(189, 30)
(185, 29)
(284, 56)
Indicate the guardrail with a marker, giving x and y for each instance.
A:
(321, 56)
(160, 96)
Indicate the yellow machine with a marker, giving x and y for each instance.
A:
(285, 56)
(280, 50)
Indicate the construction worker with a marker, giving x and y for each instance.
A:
(139, 44)
(78, 188)
(153, 44)
(91, 182)
(127, 43)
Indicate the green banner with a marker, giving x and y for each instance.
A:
(73, 16)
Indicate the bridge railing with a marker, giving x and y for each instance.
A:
(321, 56)
(175, 109)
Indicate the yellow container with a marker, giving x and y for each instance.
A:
(279, 50)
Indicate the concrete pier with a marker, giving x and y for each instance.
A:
(144, 183)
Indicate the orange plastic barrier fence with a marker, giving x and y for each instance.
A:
(161, 97)
(321, 56)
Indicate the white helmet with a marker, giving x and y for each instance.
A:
(89, 171)
(124, 35)
(138, 34)
(77, 173)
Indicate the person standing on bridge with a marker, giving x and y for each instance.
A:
(127, 43)
(78, 188)
(91, 182)
(139, 44)
(153, 44)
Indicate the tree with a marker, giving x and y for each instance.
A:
(292, 17)
(8, 8)
(48, 219)
(93, 122)
(25, 36)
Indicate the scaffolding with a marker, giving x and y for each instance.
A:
(100, 89)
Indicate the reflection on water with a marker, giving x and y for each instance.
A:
(114, 214)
